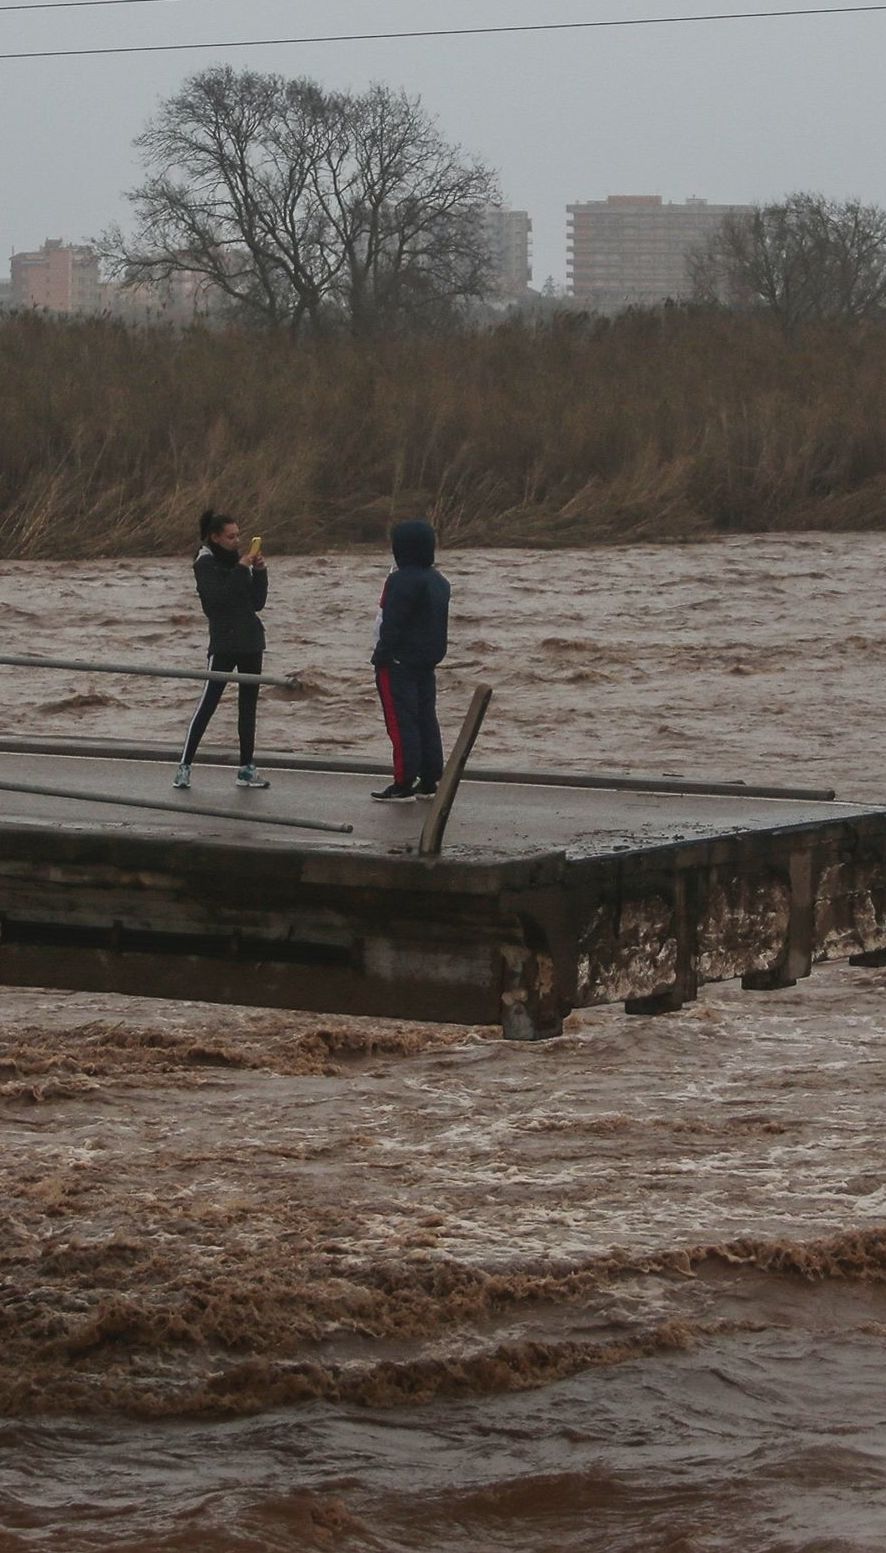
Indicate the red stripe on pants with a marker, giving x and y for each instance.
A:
(386, 694)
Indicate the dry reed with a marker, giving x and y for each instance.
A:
(660, 426)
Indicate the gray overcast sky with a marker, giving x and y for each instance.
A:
(732, 111)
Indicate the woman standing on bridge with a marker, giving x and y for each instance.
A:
(232, 588)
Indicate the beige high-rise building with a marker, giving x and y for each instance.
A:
(508, 235)
(60, 277)
(631, 249)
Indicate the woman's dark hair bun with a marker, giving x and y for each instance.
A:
(212, 522)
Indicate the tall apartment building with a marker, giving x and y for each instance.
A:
(59, 276)
(508, 235)
(632, 248)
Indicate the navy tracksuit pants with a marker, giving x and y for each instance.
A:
(409, 702)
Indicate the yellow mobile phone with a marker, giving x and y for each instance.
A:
(255, 547)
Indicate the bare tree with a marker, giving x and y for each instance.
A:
(806, 258)
(296, 204)
(409, 224)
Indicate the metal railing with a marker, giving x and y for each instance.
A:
(78, 665)
(19, 660)
(432, 833)
(168, 807)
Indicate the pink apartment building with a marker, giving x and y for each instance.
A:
(58, 277)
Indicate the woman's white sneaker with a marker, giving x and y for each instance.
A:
(247, 776)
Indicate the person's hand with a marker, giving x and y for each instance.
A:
(246, 560)
(258, 562)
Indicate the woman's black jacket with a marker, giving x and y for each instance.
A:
(231, 596)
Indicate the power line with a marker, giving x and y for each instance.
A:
(65, 5)
(435, 32)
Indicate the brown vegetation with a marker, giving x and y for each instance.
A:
(664, 426)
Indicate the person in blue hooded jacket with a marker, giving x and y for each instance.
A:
(411, 639)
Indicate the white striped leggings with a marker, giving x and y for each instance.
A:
(247, 703)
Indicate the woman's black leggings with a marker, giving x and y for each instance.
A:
(247, 702)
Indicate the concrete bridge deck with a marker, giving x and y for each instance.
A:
(490, 819)
(545, 898)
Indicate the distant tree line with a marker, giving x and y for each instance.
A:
(806, 259)
(290, 204)
(299, 206)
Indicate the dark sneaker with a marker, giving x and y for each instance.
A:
(247, 776)
(182, 777)
(396, 793)
(425, 790)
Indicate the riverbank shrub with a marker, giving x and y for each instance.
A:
(660, 426)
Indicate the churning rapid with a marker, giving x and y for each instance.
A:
(277, 1281)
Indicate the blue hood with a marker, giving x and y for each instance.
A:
(413, 543)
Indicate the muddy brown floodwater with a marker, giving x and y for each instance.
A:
(276, 1281)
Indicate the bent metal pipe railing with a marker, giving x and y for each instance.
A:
(173, 808)
(683, 786)
(18, 660)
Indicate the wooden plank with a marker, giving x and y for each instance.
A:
(435, 824)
